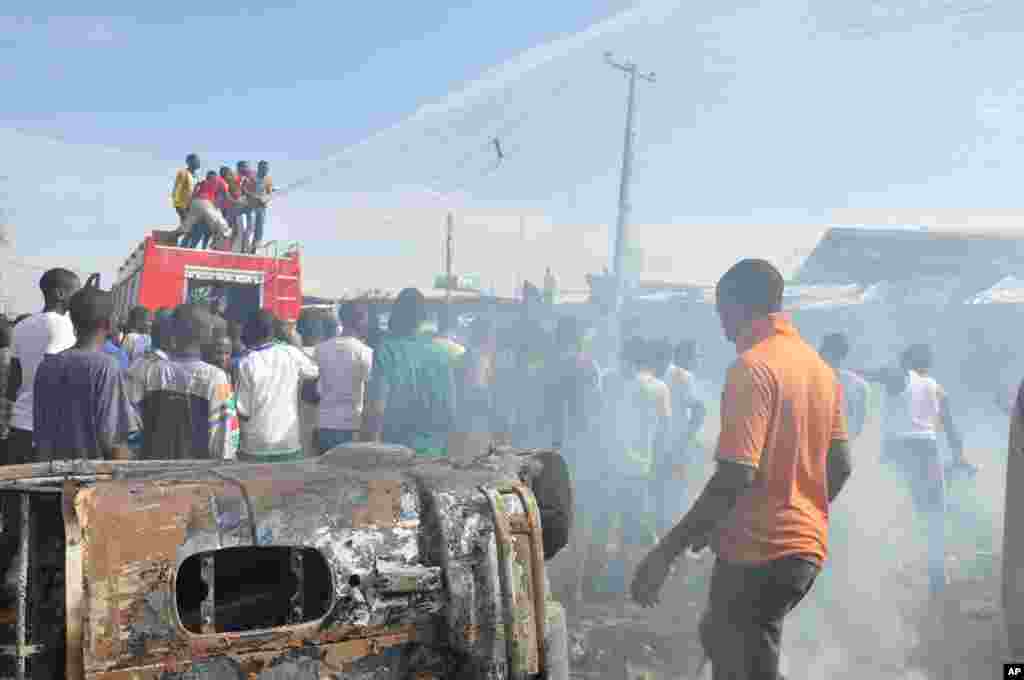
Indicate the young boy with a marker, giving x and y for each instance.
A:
(80, 406)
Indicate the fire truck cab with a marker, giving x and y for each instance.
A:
(159, 274)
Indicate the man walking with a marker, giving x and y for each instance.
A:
(49, 332)
(184, 184)
(916, 407)
(269, 378)
(782, 458)
(345, 364)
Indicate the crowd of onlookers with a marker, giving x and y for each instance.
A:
(194, 382)
(224, 210)
(190, 383)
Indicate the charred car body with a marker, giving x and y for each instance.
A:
(365, 563)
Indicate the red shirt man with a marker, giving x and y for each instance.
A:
(204, 213)
(211, 188)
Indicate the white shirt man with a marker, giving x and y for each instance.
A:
(345, 364)
(915, 412)
(32, 339)
(269, 377)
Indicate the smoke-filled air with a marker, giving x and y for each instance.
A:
(593, 339)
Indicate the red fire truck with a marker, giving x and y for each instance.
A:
(160, 275)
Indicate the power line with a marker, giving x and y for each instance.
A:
(503, 127)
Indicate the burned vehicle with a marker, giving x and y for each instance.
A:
(366, 563)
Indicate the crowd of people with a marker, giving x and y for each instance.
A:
(186, 383)
(224, 210)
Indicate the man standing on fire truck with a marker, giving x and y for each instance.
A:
(184, 184)
(205, 220)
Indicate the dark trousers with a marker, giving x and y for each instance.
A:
(199, 237)
(920, 464)
(20, 448)
(257, 217)
(741, 631)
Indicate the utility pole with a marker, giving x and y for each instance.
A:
(621, 236)
(448, 270)
(522, 254)
(5, 244)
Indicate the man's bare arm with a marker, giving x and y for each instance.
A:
(839, 466)
(956, 442)
(715, 503)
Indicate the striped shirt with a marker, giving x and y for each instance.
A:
(212, 416)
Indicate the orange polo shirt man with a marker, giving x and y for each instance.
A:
(782, 457)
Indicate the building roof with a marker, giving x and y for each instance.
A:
(1009, 290)
(973, 259)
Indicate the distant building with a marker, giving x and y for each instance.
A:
(907, 262)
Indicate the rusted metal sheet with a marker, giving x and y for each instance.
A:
(74, 604)
(409, 570)
(27, 524)
(333, 661)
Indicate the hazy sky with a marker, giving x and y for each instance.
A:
(761, 115)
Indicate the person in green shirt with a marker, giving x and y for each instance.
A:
(411, 395)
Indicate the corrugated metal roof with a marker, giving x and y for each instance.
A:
(1009, 290)
(976, 258)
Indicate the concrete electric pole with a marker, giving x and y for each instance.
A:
(5, 245)
(450, 227)
(621, 226)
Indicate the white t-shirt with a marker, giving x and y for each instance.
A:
(36, 336)
(914, 413)
(345, 364)
(268, 398)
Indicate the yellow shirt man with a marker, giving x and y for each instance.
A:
(181, 195)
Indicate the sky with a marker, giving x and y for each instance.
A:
(763, 120)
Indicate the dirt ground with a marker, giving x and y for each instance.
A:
(867, 615)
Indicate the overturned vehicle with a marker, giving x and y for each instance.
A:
(365, 563)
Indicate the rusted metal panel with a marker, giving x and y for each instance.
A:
(135, 535)
(74, 604)
(410, 546)
(26, 524)
(517, 630)
(372, 657)
(531, 558)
